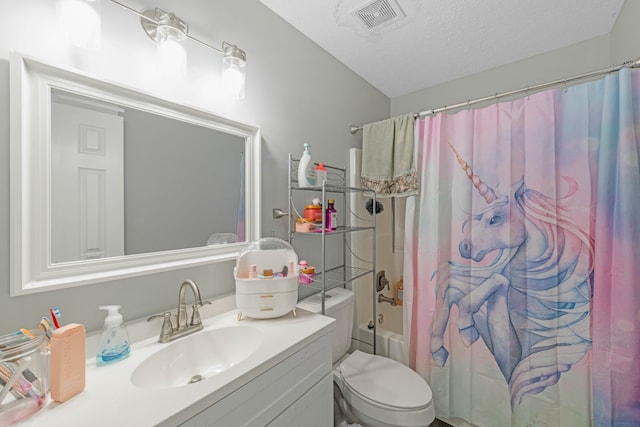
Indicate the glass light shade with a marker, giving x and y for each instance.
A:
(234, 71)
(80, 20)
(171, 55)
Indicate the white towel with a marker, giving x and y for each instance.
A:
(388, 167)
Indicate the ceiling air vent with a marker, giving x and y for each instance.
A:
(379, 12)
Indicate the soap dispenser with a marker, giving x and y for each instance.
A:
(306, 175)
(114, 342)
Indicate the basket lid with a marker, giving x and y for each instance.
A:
(267, 244)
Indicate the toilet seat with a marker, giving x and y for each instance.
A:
(385, 391)
(385, 381)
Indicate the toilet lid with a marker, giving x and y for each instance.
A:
(385, 381)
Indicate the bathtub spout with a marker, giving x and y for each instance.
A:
(382, 298)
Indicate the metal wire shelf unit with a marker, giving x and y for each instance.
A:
(329, 277)
(338, 276)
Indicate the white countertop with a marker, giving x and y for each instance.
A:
(110, 398)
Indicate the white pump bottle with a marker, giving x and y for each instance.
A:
(305, 169)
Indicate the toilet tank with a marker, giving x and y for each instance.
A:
(339, 304)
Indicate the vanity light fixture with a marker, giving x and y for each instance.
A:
(234, 62)
(168, 30)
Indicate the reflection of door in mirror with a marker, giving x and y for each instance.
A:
(87, 183)
(127, 181)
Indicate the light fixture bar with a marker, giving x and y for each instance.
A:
(205, 44)
(165, 28)
(155, 22)
(140, 14)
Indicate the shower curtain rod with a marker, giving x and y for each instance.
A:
(629, 64)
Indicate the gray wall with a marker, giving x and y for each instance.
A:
(296, 93)
(617, 47)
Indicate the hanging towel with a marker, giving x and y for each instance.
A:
(387, 157)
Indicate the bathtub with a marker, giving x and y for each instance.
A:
(388, 343)
(389, 337)
(389, 258)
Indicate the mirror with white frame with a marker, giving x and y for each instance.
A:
(108, 182)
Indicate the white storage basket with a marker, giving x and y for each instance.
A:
(265, 298)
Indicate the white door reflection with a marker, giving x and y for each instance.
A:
(87, 179)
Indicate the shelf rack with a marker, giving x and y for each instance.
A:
(341, 275)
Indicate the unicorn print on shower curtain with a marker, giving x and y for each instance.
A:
(531, 303)
(522, 258)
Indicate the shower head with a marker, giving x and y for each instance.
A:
(369, 207)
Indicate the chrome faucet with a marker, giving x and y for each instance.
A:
(382, 298)
(181, 317)
(168, 332)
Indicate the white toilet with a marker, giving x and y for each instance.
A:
(377, 391)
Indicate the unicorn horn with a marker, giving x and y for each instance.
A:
(485, 191)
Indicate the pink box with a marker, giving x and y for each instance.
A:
(67, 374)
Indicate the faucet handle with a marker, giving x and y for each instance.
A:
(195, 315)
(167, 326)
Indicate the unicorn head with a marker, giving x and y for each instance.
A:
(501, 225)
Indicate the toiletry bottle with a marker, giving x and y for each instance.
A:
(290, 270)
(399, 291)
(313, 213)
(114, 342)
(253, 271)
(303, 269)
(67, 370)
(331, 215)
(321, 174)
(305, 169)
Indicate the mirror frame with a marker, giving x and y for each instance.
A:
(31, 82)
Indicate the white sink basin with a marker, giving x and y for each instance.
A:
(197, 357)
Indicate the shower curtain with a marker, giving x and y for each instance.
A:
(522, 266)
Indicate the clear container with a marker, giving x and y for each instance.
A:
(24, 375)
(262, 298)
(321, 174)
(267, 253)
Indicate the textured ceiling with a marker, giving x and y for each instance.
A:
(441, 40)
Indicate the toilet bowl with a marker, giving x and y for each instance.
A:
(383, 393)
(377, 391)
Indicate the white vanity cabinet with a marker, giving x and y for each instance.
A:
(284, 380)
(297, 391)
